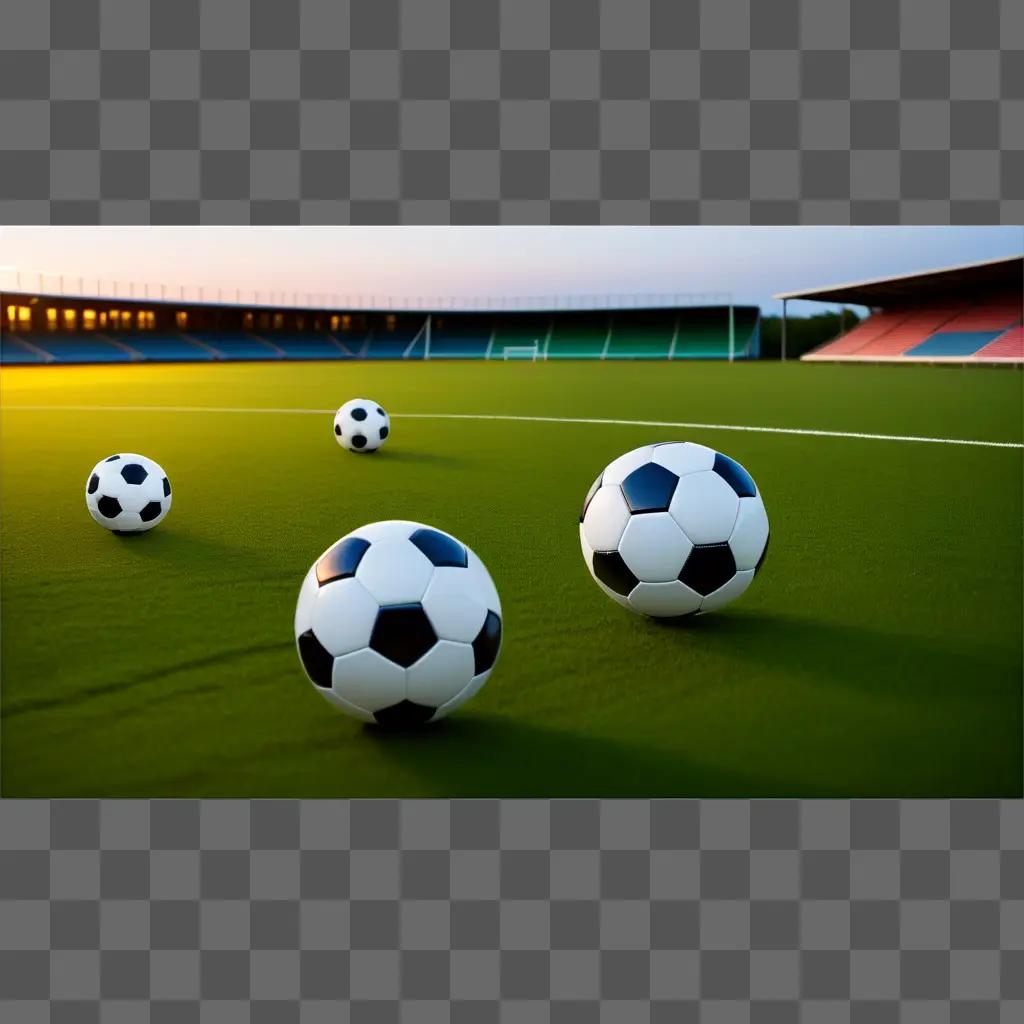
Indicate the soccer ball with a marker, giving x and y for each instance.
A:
(398, 623)
(674, 529)
(128, 493)
(361, 425)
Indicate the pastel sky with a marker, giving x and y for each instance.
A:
(467, 265)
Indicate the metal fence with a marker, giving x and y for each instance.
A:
(83, 286)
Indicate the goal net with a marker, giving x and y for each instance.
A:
(520, 352)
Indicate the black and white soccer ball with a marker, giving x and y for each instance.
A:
(128, 493)
(398, 623)
(361, 425)
(674, 529)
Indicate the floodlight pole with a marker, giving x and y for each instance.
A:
(783, 330)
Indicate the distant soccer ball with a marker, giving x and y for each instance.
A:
(128, 493)
(361, 425)
(674, 529)
(398, 623)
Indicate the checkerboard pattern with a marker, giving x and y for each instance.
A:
(518, 912)
(513, 111)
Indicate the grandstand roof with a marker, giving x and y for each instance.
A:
(986, 275)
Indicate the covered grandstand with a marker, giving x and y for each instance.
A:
(39, 329)
(973, 313)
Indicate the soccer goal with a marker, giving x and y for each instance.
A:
(520, 352)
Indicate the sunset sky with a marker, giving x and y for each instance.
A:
(472, 264)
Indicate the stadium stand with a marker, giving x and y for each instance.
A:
(969, 313)
(705, 335)
(647, 338)
(177, 332)
(170, 348)
(387, 346)
(1009, 345)
(83, 348)
(460, 338)
(225, 345)
(522, 332)
(580, 337)
(312, 346)
(912, 330)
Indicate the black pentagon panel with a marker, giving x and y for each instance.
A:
(133, 473)
(341, 561)
(594, 488)
(358, 441)
(708, 567)
(109, 507)
(406, 714)
(150, 512)
(440, 549)
(734, 475)
(486, 644)
(316, 659)
(384, 432)
(649, 488)
(94, 482)
(358, 414)
(337, 429)
(760, 561)
(613, 572)
(113, 458)
(381, 411)
(402, 633)
(167, 488)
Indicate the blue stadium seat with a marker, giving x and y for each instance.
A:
(389, 346)
(237, 345)
(165, 347)
(81, 348)
(953, 343)
(310, 346)
(459, 346)
(14, 350)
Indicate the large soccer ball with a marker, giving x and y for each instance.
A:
(361, 425)
(128, 493)
(398, 623)
(674, 529)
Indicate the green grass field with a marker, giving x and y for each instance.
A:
(878, 653)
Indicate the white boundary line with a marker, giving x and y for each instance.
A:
(528, 419)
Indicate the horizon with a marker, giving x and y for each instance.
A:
(485, 267)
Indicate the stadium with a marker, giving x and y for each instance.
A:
(59, 329)
(878, 653)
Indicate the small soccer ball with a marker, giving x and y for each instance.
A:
(361, 425)
(674, 529)
(128, 493)
(398, 623)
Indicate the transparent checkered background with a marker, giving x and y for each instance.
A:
(468, 111)
(473, 912)
(519, 912)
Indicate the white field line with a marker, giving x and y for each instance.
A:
(527, 419)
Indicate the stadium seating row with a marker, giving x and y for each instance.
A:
(986, 331)
(671, 334)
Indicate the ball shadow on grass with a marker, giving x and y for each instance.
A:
(424, 458)
(470, 755)
(176, 545)
(867, 659)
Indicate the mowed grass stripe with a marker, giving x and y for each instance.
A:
(747, 428)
